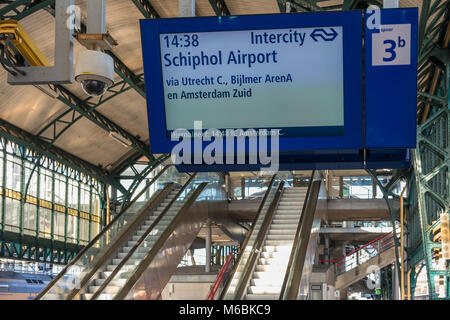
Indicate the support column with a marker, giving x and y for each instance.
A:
(395, 285)
(389, 4)
(186, 8)
(208, 246)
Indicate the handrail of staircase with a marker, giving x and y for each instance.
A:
(160, 242)
(360, 248)
(140, 241)
(256, 250)
(247, 237)
(96, 238)
(220, 277)
(128, 231)
(294, 270)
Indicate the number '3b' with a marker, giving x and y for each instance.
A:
(390, 50)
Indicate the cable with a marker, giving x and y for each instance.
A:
(8, 60)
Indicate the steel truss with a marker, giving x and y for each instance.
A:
(87, 108)
(220, 7)
(430, 186)
(38, 250)
(20, 9)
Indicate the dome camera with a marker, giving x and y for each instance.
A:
(95, 71)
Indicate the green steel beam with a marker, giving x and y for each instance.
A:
(386, 190)
(100, 120)
(140, 176)
(220, 7)
(53, 130)
(19, 9)
(300, 5)
(36, 250)
(40, 146)
(146, 8)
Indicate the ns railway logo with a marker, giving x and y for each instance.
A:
(321, 33)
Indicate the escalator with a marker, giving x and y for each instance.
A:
(136, 254)
(274, 252)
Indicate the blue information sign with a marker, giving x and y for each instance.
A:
(297, 76)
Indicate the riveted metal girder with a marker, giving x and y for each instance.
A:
(75, 103)
(19, 9)
(146, 8)
(220, 7)
(24, 138)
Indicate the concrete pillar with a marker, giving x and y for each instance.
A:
(208, 241)
(243, 187)
(186, 8)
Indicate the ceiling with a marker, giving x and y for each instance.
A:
(31, 110)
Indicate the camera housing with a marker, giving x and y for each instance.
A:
(95, 71)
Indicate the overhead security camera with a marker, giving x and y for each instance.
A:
(95, 71)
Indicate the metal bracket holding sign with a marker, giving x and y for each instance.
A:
(62, 70)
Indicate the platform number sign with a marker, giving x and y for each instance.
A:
(391, 45)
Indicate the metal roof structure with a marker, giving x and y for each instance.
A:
(81, 126)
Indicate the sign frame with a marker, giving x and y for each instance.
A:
(352, 139)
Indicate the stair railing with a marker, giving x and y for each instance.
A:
(359, 256)
(247, 238)
(145, 262)
(220, 277)
(294, 270)
(256, 250)
(141, 240)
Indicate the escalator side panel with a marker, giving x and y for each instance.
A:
(153, 280)
(299, 271)
(314, 240)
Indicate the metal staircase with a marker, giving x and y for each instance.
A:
(135, 255)
(359, 263)
(123, 251)
(269, 274)
(271, 265)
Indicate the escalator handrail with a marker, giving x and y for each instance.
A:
(129, 229)
(256, 250)
(247, 238)
(294, 269)
(159, 243)
(125, 206)
(140, 241)
(97, 237)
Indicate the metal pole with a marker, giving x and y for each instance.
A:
(186, 8)
(208, 246)
(96, 21)
(327, 249)
(402, 244)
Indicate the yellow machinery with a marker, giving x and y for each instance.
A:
(13, 32)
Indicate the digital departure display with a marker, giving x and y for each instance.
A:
(289, 79)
